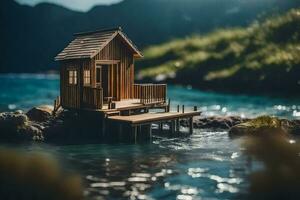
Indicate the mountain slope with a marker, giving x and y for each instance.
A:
(262, 58)
(32, 36)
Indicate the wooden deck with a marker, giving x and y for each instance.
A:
(153, 117)
(130, 104)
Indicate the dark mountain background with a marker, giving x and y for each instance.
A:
(32, 36)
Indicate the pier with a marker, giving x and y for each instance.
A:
(142, 123)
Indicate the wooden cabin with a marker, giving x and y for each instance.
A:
(97, 69)
(97, 74)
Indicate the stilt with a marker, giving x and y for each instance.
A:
(103, 127)
(172, 127)
(140, 129)
(191, 125)
(177, 125)
(120, 131)
(195, 108)
(182, 108)
(134, 131)
(150, 131)
(178, 108)
(160, 126)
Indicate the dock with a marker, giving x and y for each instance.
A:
(140, 126)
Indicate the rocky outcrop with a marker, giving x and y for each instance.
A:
(266, 124)
(215, 122)
(38, 124)
(15, 126)
(40, 113)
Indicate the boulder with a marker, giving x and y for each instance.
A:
(9, 119)
(215, 122)
(40, 113)
(17, 127)
(266, 124)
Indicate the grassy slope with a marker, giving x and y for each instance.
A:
(265, 57)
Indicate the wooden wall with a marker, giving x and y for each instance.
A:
(71, 95)
(123, 78)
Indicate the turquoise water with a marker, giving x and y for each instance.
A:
(27, 90)
(207, 165)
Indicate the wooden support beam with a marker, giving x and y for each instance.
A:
(195, 108)
(182, 108)
(177, 125)
(172, 127)
(191, 125)
(120, 131)
(150, 131)
(103, 127)
(160, 126)
(134, 131)
(178, 108)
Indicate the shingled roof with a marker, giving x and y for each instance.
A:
(89, 44)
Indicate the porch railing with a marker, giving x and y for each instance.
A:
(150, 93)
(93, 97)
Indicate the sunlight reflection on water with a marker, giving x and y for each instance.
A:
(207, 165)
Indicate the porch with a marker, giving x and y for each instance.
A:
(143, 95)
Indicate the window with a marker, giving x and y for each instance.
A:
(72, 77)
(86, 77)
(98, 74)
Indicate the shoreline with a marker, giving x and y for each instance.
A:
(69, 127)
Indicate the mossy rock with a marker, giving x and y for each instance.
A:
(265, 124)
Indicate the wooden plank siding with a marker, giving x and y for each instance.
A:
(121, 75)
(71, 95)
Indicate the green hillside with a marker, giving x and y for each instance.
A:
(265, 57)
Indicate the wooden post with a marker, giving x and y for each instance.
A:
(191, 125)
(178, 108)
(103, 127)
(169, 103)
(160, 127)
(195, 108)
(150, 131)
(172, 128)
(134, 130)
(120, 133)
(182, 108)
(177, 125)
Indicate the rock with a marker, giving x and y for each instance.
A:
(215, 122)
(18, 112)
(40, 113)
(266, 124)
(9, 119)
(17, 127)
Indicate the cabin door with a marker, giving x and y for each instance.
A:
(105, 79)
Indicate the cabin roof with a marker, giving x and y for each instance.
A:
(89, 44)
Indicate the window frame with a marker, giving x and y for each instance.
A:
(87, 77)
(72, 77)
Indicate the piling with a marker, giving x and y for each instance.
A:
(191, 130)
